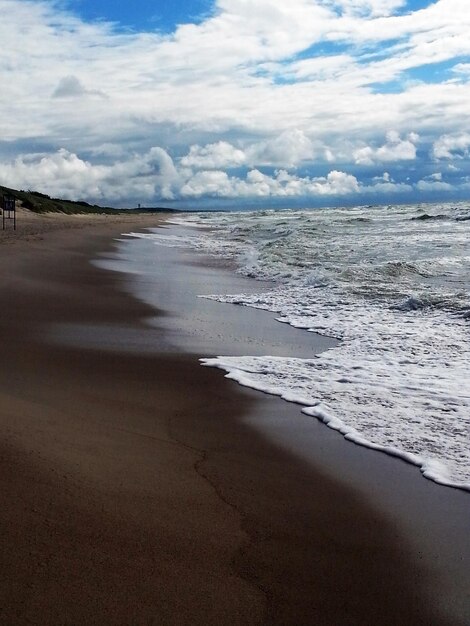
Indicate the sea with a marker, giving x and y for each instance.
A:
(392, 284)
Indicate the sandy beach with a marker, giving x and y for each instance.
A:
(136, 489)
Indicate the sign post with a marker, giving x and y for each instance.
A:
(9, 208)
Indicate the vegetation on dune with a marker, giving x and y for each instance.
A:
(42, 203)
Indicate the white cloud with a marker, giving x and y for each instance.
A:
(154, 175)
(387, 188)
(214, 156)
(206, 76)
(386, 178)
(395, 149)
(314, 68)
(462, 69)
(72, 87)
(256, 84)
(285, 185)
(257, 184)
(372, 8)
(433, 185)
(451, 146)
(64, 174)
(210, 183)
(288, 149)
(434, 182)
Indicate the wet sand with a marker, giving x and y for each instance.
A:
(136, 489)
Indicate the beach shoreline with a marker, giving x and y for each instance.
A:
(136, 490)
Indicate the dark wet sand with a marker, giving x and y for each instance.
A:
(135, 490)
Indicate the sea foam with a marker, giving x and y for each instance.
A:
(394, 290)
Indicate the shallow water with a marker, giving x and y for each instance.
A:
(393, 283)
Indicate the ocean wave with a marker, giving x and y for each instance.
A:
(394, 289)
(426, 217)
(351, 398)
(412, 303)
(399, 268)
(356, 220)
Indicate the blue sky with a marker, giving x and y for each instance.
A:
(143, 15)
(236, 102)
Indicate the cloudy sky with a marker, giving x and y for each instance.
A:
(236, 102)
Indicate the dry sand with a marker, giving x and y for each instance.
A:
(132, 493)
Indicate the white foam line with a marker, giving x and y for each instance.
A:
(431, 469)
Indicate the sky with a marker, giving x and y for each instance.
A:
(208, 103)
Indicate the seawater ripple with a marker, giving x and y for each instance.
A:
(393, 288)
